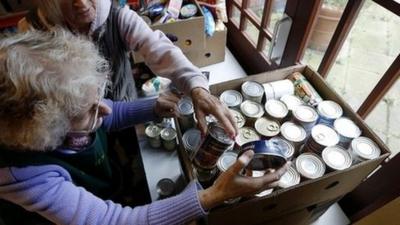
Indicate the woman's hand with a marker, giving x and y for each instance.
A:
(231, 184)
(167, 105)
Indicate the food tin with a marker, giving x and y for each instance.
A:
(191, 141)
(321, 137)
(336, 158)
(153, 135)
(276, 109)
(238, 117)
(277, 89)
(290, 178)
(328, 112)
(363, 148)
(347, 130)
(253, 91)
(205, 176)
(168, 138)
(245, 135)
(267, 155)
(310, 166)
(291, 101)
(294, 133)
(263, 193)
(231, 98)
(252, 111)
(165, 188)
(186, 111)
(226, 160)
(306, 116)
(213, 146)
(286, 147)
(304, 89)
(267, 127)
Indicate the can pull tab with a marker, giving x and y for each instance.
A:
(272, 127)
(247, 134)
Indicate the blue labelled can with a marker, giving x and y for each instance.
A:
(306, 116)
(267, 155)
(322, 136)
(328, 112)
(188, 10)
(347, 131)
(186, 111)
(286, 147)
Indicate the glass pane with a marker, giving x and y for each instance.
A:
(369, 50)
(257, 7)
(251, 32)
(277, 10)
(266, 48)
(384, 119)
(235, 18)
(326, 23)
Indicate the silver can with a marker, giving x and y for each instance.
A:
(253, 91)
(286, 147)
(226, 160)
(165, 188)
(168, 137)
(289, 179)
(310, 166)
(238, 117)
(205, 176)
(213, 146)
(291, 101)
(277, 89)
(294, 133)
(231, 98)
(276, 109)
(267, 127)
(245, 135)
(186, 111)
(306, 116)
(153, 135)
(363, 148)
(336, 158)
(347, 130)
(328, 112)
(191, 141)
(252, 111)
(321, 137)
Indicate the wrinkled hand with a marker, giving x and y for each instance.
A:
(205, 104)
(231, 184)
(167, 105)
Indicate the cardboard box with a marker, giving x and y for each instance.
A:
(303, 203)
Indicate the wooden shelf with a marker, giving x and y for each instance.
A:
(11, 19)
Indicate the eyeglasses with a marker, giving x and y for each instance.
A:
(101, 91)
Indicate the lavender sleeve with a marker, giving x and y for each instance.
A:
(49, 191)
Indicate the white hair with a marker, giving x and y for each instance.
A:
(46, 80)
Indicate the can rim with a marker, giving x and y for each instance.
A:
(374, 149)
(300, 113)
(247, 103)
(320, 170)
(221, 136)
(152, 131)
(235, 114)
(294, 178)
(238, 98)
(221, 164)
(252, 135)
(327, 157)
(349, 130)
(335, 106)
(168, 133)
(186, 137)
(254, 94)
(271, 108)
(302, 135)
(272, 124)
(290, 148)
(328, 137)
(187, 111)
(291, 101)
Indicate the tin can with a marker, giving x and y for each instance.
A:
(238, 117)
(321, 137)
(186, 111)
(209, 119)
(263, 193)
(188, 10)
(277, 89)
(267, 127)
(304, 89)
(276, 109)
(306, 116)
(294, 133)
(310, 166)
(191, 141)
(291, 101)
(214, 145)
(165, 188)
(226, 160)
(267, 155)
(286, 147)
(253, 91)
(347, 131)
(363, 148)
(153, 135)
(252, 111)
(336, 158)
(205, 176)
(290, 178)
(245, 135)
(168, 137)
(328, 112)
(231, 98)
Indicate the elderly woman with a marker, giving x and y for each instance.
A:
(119, 30)
(53, 153)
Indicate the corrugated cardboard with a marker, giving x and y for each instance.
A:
(302, 203)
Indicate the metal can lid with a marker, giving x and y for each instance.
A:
(310, 166)
(267, 127)
(290, 178)
(168, 133)
(293, 132)
(346, 127)
(329, 109)
(305, 113)
(152, 131)
(185, 106)
(188, 10)
(252, 89)
(238, 117)
(324, 135)
(231, 98)
(226, 160)
(246, 134)
(267, 155)
(251, 109)
(217, 132)
(336, 158)
(276, 108)
(365, 148)
(165, 187)
(291, 101)
(191, 139)
(286, 147)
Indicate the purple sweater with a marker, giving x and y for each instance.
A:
(49, 190)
